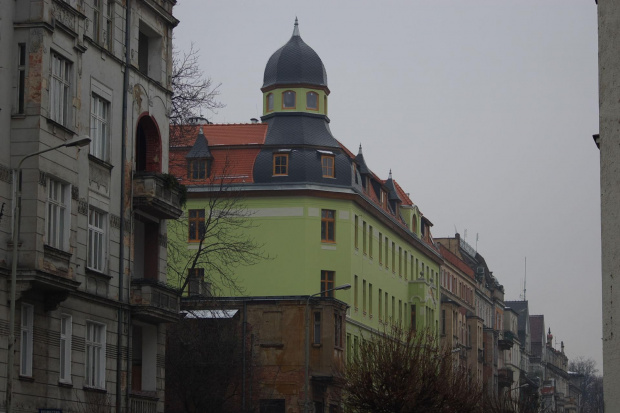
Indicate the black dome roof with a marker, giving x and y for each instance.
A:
(295, 63)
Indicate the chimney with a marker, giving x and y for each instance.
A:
(254, 120)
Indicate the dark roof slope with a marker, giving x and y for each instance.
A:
(200, 150)
(295, 63)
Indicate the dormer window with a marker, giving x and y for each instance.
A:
(312, 101)
(269, 102)
(198, 169)
(327, 164)
(384, 199)
(280, 164)
(288, 99)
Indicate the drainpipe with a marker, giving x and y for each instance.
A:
(121, 255)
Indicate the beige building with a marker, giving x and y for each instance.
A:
(608, 141)
(90, 303)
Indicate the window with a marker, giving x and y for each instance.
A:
(21, 77)
(26, 340)
(317, 328)
(337, 330)
(355, 293)
(272, 406)
(99, 129)
(269, 102)
(400, 261)
(393, 257)
(280, 164)
(150, 46)
(383, 199)
(387, 258)
(328, 225)
(196, 224)
(103, 13)
(57, 233)
(413, 318)
(65, 348)
(196, 277)
(356, 232)
(143, 52)
(380, 303)
(312, 101)
(364, 234)
(59, 90)
(95, 355)
(96, 240)
(327, 163)
(385, 307)
(380, 248)
(327, 283)
(370, 299)
(370, 241)
(197, 169)
(288, 100)
(364, 296)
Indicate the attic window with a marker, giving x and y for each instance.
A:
(327, 164)
(384, 199)
(198, 169)
(280, 164)
(312, 101)
(288, 99)
(269, 102)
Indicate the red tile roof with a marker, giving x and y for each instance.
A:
(402, 194)
(221, 134)
(456, 261)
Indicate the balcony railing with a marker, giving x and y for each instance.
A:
(142, 404)
(154, 302)
(153, 194)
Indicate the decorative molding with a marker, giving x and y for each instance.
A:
(42, 179)
(6, 174)
(82, 207)
(163, 240)
(115, 221)
(75, 193)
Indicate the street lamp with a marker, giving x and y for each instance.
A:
(307, 360)
(17, 196)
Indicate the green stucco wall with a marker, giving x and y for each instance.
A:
(300, 101)
(289, 228)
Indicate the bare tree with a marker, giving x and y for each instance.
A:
(406, 371)
(192, 91)
(224, 241)
(591, 384)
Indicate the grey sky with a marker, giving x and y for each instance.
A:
(483, 110)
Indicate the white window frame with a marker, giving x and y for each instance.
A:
(26, 345)
(97, 239)
(99, 126)
(60, 89)
(103, 22)
(95, 366)
(58, 218)
(66, 331)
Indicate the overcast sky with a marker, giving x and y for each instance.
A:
(483, 110)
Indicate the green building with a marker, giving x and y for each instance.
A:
(318, 211)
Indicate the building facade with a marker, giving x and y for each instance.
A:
(318, 211)
(91, 308)
(607, 139)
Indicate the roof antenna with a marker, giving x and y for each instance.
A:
(296, 29)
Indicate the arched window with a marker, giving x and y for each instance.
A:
(312, 101)
(288, 99)
(414, 224)
(148, 146)
(269, 102)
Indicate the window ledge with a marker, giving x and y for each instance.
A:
(56, 253)
(317, 345)
(61, 126)
(26, 378)
(100, 162)
(96, 273)
(95, 389)
(18, 116)
(272, 345)
(65, 384)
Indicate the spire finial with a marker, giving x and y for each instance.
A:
(390, 176)
(296, 29)
(359, 152)
(200, 131)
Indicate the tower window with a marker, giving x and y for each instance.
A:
(327, 164)
(269, 102)
(280, 164)
(288, 100)
(312, 101)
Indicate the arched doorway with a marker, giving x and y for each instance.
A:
(148, 145)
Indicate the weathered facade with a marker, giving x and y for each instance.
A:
(269, 373)
(607, 139)
(90, 305)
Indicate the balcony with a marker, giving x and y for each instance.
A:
(154, 302)
(505, 377)
(154, 194)
(142, 404)
(507, 341)
(51, 289)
